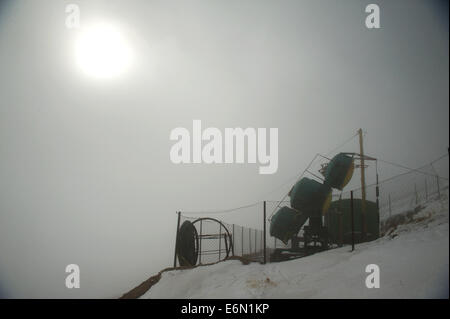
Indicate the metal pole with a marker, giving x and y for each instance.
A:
(377, 190)
(353, 224)
(264, 238)
(341, 227)
(176, 241)
(226, 244)
(377, 193)
(200, 250)
(363, 184)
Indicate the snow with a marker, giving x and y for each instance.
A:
(413, 262)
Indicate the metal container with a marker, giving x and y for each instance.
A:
(286, 222)
(310, 196)
(339, 171)
(338, 221)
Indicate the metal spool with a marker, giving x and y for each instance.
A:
(191, 241)
(187, 244)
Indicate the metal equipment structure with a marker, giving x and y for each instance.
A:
(304, 222)
(310, 201)
(193, 236)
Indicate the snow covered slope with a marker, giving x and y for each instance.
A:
(413, 261)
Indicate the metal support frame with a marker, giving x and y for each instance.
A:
(223, 234)
(176, 241)
(264, 238)
(220, 239)
(363, 185)
(200, 249)
(353, 224)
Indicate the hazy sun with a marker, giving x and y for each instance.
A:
(102, 51)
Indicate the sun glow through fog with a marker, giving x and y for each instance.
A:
(102, 51)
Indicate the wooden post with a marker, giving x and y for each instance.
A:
(264, 234)
(176, 241)
(363, 185)
(353, 224)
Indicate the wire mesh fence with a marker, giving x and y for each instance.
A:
(248, 242)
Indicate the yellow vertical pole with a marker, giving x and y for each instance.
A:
(363, 185)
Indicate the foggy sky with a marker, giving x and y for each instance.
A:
(85, 174)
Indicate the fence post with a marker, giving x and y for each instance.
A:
(264, 238)
(200, 244)
(377, 193)
(176, 242)
(353, 224)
